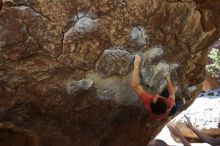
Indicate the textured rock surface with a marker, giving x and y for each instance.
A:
(59, 81)
(120, 62)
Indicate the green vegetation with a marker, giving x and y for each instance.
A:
(214, 66)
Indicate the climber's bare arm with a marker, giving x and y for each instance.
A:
(172, 90)
(135, 81)
(135, 76)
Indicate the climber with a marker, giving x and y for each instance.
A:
(158, 106)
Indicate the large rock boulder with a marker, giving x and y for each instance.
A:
(65, 66)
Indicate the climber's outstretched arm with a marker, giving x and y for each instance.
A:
(135, 81)
(135, 76)
(172, 89)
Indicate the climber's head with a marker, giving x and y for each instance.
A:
(157, 142)
(158, 105)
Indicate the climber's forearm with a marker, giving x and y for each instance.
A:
(135, 79)
(135, 76)
(170, 87)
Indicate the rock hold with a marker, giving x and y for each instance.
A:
(114, 62)
(138, 36)
(152, 75)
(85, 23)
(153, 54)
(76, 87)
(82, 55)
(105, 94)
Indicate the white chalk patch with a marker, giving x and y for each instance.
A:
(153, 53)
(115, 50)
(74, 86)
(191, 89)
(162, 66)
(174, 66)
(137, 33)
(85, 23)
(69, 32)
(114, 88)
(85, 83)
(105, 94)
(21, 7)
(138, 36)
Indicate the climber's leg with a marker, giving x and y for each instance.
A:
(178, 107)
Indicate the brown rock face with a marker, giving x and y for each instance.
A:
(65, 66)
